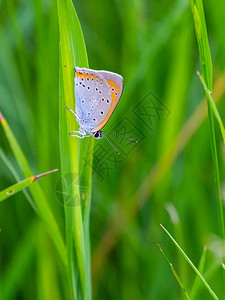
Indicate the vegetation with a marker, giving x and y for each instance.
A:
(92, 229)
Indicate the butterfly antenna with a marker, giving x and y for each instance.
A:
(73, 112)
(121, 136)
(110, 144)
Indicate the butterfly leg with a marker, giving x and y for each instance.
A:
(82, 133)
(73, 112)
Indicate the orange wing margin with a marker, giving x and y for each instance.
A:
(115, 100)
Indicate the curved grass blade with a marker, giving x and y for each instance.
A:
(13, 189)
(192, 265)
(213, 106)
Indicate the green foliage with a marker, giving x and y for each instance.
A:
(174, 176)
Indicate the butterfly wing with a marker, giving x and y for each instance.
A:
(97, 93)
(115, 83)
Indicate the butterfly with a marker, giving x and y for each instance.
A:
(97, 94)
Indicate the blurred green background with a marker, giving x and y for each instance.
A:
(167, 178)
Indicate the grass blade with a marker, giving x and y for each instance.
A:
(192, 265)
(13, 189)
(202, 38)
(206, 70)
(213, 106)
(175, 274)
(200, 268)
(17, 177)
(73, 53)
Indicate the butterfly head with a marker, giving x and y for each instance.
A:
(98, 134)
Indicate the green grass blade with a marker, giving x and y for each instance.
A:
(192, 265)
(175, 274)
(20, 157)
(206, 70)
(201, 269)
(36, 191)
(13, 189)
(213, 106)
(17, 177)
(67, 190)
(202, 38)
(73, 53)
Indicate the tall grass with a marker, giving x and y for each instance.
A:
(168, 178)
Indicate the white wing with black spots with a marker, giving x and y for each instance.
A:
(93, 98)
